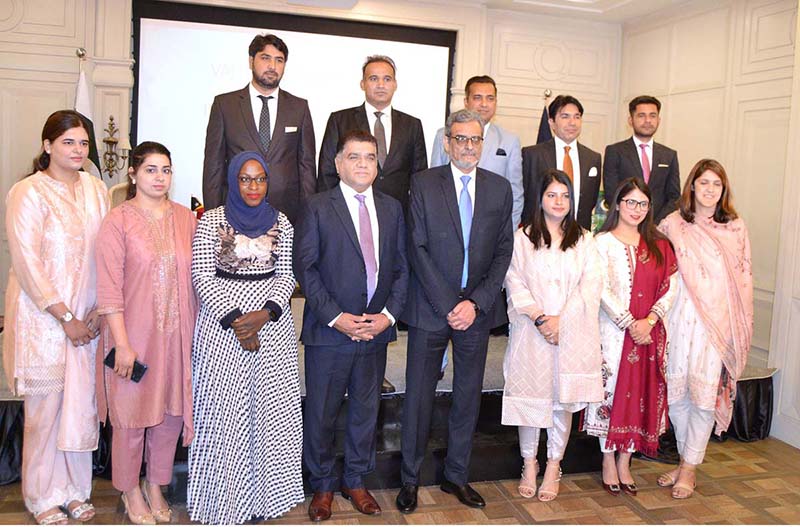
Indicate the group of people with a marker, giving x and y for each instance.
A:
(168, 327)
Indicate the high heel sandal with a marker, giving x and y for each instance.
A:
(549, 495)
(162, 515)
(527, 486)
(611, 488)
(56, 517)
(138, 519)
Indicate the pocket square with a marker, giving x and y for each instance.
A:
(289, 129)
(500, 152)
(593, 172)
(663, 165)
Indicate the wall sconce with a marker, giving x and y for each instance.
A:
(116, 152)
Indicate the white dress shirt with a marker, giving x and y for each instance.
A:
(576, 167)
(648, 147)
(386, 119)
(352, 207)
(256, 104)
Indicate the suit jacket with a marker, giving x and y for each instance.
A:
(406, 155)
(536, 159)
(622, 162)
(329, 265)
(290, 158)
(436, 245)
(501, 154)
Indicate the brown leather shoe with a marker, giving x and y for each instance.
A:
(320, 507)
(362, 500)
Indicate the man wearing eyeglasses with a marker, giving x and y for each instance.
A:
(564, 152)
(460, 244)
(641, 157)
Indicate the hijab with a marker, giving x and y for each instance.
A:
(250, 221)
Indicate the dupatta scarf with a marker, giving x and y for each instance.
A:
(640, 403)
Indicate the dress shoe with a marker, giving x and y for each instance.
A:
(387, 387)
(362, 500)
(612, 488)
(320, 507)
(629, 488)
(465, 494)
(407, 499)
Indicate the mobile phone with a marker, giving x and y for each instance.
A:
(139, 369)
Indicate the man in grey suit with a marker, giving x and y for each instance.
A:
(564, 152)
(263, 118)
(459, 249)
(641, 157)
(501, 152)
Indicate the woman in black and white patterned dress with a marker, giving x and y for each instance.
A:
(245, 460)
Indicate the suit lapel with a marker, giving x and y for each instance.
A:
(630, 152)
(490, 144)
(449, 192)
(361, 118)
(382, 213)
(550, 154)
(337, 200)
(280, 121)
(394, 142)
(480, 204)
(246, 106)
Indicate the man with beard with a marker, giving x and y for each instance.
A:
(643, 158)
(263, 118)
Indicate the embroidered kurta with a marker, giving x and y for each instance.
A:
(144, 272)
(540, 377)
(51, 239)
(619, 264)
(712, 319)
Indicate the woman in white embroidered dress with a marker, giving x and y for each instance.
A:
(711, 324)
(52, 219)
(552, 364)
(639, 268)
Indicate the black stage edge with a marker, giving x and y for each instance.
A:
(495, 453)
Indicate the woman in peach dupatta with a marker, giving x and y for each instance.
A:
(145, 292)
(552, 363)
(711, 323)
(52, 219)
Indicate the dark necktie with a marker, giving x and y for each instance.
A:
(367, 246)
(263, 123)
(380, 137)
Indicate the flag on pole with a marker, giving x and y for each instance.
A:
(544, 128)
(83, 105)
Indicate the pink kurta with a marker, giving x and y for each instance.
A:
(51, 239)
(144, 272)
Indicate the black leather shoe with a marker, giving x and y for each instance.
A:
(387, 387)
(466, 494)
(407, 499)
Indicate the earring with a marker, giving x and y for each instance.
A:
(133, 180)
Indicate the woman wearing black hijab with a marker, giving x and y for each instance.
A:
(245, 460)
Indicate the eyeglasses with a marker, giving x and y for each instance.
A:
(246, 180)
(632, 204)
(461, 140)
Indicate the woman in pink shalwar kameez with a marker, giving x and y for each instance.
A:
(144, 291)
(52, 219)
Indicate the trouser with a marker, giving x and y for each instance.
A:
(557, 437)
(50, 477)
(692, 427)
(330, 372)
(425, 349)
(158, 443)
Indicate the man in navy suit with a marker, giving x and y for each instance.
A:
(564, 152)
(350, 259)
(641, 157)
(460, 244)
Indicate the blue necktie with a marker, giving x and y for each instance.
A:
(465, 211)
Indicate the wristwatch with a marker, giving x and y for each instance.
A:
(475, 306)
(66, 317)
(651, 321)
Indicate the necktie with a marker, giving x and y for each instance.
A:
(645, 163)
(568, 162)
(367, 246)
(263, 123)
(465, 211)
(380, 137)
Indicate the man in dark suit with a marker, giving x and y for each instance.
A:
(350, 259)
(263, 118)
(643, 158)
(564, 152)
(460, 244)
(401, 142)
